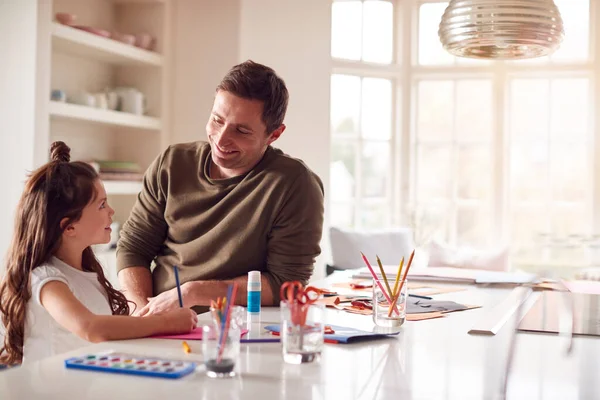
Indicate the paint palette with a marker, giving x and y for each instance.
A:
(132, 364)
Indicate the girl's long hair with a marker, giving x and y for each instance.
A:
(57, 190)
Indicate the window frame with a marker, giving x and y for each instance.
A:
(405, 73)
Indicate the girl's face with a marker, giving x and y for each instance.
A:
(94, 225)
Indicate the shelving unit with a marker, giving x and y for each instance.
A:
(122, 187)
(77, 42)
(106, 117)
(77, 62)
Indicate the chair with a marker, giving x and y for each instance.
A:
(390, 245)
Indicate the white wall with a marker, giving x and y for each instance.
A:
(292, 37)
(205, 46)
(18, 30)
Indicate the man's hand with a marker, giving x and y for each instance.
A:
(140, 302)
(166, 301)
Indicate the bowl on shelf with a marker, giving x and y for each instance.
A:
(95, 31)
(65, 18)
(123, 38)
(145, 41)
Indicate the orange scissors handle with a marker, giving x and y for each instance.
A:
(309, 295)
(290, 291)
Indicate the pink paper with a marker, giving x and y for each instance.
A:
(196, 334)
(586, 287)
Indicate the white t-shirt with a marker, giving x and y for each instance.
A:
(44, 337)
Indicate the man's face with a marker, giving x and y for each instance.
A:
(237, 134)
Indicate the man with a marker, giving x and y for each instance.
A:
(217, 210)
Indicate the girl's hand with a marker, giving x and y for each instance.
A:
(181, 320)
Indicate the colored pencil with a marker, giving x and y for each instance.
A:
(387, 285)
(178, 286)
(402, 282)
(186, 347)
(389, 300)
(397, 280)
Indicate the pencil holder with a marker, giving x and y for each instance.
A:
(302, 331)
(221, 352)
(388, 310)
(237, 318)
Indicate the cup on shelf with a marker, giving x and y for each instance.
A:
(144, 41)
(82, 98)
(132, 101)
(58, 95)
(123, 38)
(112, 99)
(65, 18)
(101, 100)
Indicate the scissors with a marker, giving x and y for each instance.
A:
(295, 293)
(298, 299)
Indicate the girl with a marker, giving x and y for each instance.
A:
(54, 296)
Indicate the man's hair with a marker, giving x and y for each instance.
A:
(255, 81)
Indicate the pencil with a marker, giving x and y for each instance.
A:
(388, 298)
(402, 282)
(186, 347)
(387, 285)
(178, 287)
(398, 276)
(393, 294)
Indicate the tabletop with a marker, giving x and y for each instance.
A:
(431, 359)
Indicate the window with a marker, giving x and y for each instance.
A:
(472, 152)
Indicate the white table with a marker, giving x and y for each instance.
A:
(434, 359)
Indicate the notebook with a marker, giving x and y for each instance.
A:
(344, 334)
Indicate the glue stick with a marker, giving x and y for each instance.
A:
(254, 292)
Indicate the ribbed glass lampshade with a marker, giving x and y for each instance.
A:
(501, 29)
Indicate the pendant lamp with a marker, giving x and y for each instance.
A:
(501, 29)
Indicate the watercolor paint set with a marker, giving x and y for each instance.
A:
(132, 364)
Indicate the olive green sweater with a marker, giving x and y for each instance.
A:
(269, 219)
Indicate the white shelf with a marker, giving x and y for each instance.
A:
(122, 187)
(139, 1)
(75, 41)
(107, 117)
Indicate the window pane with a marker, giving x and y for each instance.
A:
(375, 169)
(346, 24)
(570, 220)
(343, 170)
(342, 215)
(529, 108)
(378, 31)
(529, 172)
(474, 109)
(527, 223)
(570, 109)
(435, 106)
(569, 171)
(576, 20)
(430, 49)
(434, 172)
(473, 226)
(345, 104)
(375, 216)
(474, 172)
(376, 108)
